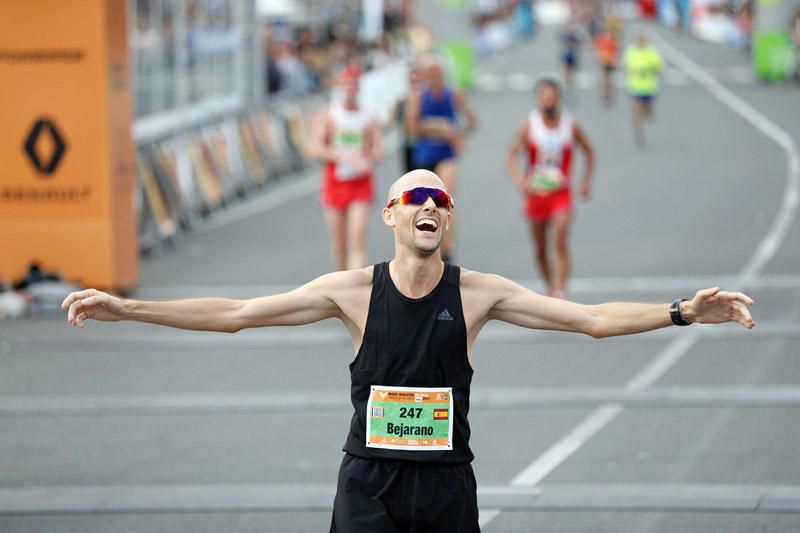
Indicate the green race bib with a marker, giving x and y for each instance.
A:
(349, 139)
(546, 180)
(410, 418)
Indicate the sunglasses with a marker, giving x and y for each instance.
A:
(420, 195)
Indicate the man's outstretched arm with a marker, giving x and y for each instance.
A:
(517, 305)
(310, 303)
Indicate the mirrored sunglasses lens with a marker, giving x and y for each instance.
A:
(419, 196)
(441, 199)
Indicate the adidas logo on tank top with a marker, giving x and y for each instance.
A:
(444, 315)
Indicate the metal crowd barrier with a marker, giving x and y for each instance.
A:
(190, 174)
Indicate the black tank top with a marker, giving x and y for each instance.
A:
(409, 342)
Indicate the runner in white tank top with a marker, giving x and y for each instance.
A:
(348, 142)
(549, 153)
(549, 137)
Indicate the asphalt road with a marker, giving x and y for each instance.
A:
(127, 427)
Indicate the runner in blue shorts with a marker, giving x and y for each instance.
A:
(433, 116)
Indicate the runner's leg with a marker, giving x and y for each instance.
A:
(357, 219)
(443, 498)
(365, 495)
(567, 75)
(608, 95)
(336, 229)
(561, 222)
(539, 235)
(638, 113)
(648, 109)
(569, 80)
(604, 86)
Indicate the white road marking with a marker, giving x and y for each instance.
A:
(487, 81)
(520, 81)
(589, 79)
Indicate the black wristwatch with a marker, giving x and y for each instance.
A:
(675, 313)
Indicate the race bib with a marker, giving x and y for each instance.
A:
(546, 180)
(410, 418)
(437, 124)
(351, 142)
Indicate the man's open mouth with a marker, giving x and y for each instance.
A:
(427, 224)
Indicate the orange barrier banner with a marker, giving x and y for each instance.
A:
(68, 173)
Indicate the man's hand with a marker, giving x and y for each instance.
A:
(92, 303)
(529, 188)
(360, 163)
(454, 136)
(586, 190)
(712, 306)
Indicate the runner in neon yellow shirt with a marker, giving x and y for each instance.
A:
(643, 65)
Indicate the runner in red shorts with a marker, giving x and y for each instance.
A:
(548, 136)
(347, 140)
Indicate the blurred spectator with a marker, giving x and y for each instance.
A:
(381, 54)
(305, 59)
(591, 14)
(313, 57)
(273, 75)
(727, 21)
(745, 22)
(396, 14)
(294, 75)
(493, 21)
(421, 39)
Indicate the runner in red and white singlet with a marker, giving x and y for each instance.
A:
(549, 138)
(347, 140)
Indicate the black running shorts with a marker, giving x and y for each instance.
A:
(380, 496)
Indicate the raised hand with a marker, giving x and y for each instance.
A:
(713, 306)
(91, 303)
(455, 137)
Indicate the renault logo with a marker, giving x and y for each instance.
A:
(45, 146)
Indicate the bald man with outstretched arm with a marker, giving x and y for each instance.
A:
(413, 321)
